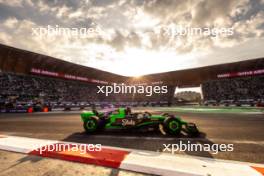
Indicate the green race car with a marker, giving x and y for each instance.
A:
(122, 118)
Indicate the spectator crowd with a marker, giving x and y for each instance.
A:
(17, 90)
(240, 88)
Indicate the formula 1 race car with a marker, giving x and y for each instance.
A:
(122, 118)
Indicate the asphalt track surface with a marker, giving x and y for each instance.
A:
(244, 131)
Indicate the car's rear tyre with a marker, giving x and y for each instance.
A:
(172, 126)
(91, 125)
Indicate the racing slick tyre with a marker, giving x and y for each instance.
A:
(172, 126)
(91, 125)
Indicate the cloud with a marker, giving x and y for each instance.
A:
(167, 10)
(206, 12)
(12, 3)
(118, 41)
(11, 23)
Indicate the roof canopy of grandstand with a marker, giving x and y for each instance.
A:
(26, 62)
(21, 61)
(196, 76)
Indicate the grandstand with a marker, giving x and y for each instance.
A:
(247, 89)
(29, 79)
(238, 83)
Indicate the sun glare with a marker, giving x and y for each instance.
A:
(137, 62)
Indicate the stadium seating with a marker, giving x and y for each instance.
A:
(19, 90)
(241, 90)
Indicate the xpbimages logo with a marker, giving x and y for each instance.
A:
(132, 89)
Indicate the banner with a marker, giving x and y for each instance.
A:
(65, 76)
(240, 74)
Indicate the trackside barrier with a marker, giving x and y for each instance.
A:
(134, 160)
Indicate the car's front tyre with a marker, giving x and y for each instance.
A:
(172, 126)
(91, 125)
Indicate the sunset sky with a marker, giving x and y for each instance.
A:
(129, 43)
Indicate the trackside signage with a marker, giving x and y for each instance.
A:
(240, 74)
(65, 76)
